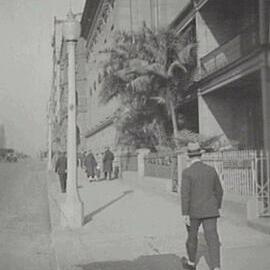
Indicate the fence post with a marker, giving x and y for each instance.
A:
(141, 154)
(120, 166)
(253, 202)
(182, 163)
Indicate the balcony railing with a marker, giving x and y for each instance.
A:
(231, 51)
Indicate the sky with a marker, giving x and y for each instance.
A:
(26, 28)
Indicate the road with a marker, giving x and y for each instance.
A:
(24, 218)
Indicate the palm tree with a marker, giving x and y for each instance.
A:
(149, 65)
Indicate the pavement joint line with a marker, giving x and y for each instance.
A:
(244, 246)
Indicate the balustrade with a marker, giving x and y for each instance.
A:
(230, 51)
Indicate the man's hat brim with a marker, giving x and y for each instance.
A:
(195, 153)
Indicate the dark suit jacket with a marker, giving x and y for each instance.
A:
(61, 165)
(107, 161)
(201, 191)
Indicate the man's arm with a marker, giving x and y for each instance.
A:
(66, 163)
(185, 193)
(218, 190)
(56, 165)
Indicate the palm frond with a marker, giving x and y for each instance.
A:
(124, 74)
(148, 70)
(112, 87)
(176, 68)
(141, 84)
(138, 66)
(185, 55)
(159, 100)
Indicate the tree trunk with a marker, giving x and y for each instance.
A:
(174, 122)
(162, 136)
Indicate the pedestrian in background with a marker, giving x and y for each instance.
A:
(107, 163)
(90, 164)
(201, 197)
(84, 154)
(55, 158)
(61, 169)
(81, 157)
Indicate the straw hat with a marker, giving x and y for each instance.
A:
(194, 149)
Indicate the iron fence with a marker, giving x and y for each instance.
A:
(243, 173)
(161, 165)
(262, 184)
(236, 170)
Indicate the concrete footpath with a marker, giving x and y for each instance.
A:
(129, 227)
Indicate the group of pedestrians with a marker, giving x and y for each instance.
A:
(93, 170)
(89, 163)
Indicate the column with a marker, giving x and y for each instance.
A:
(73, 206)
(141, 154)
(49, 143)
(265, 84)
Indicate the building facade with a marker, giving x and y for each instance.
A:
(229, 96)
(230, 58)
(233, 69)
(100, 21)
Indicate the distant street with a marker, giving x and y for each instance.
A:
(24, 218)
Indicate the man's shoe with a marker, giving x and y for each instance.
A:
(187, 265)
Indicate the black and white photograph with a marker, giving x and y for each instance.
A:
(135, 135)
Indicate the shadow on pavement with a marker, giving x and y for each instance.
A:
(89, 217)
(151, 262)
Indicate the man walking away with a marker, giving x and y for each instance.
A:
(107, 163)
(61, 169)
(90, 166)
(201, 197)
